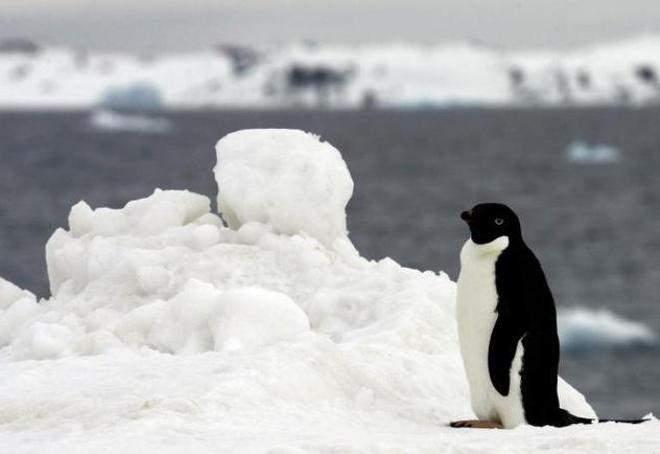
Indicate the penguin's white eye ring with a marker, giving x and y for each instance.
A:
(499, 221)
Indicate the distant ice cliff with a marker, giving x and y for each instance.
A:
(304, 75)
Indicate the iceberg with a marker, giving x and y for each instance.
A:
(583, 153)
(584, 330)
(110, 121)
(140, 96)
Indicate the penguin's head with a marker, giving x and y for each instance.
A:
(489, 221)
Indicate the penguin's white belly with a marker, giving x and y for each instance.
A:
(476, 304)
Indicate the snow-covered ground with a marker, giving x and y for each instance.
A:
(385, 75)
(169, 332)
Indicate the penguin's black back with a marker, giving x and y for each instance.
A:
(526, 310)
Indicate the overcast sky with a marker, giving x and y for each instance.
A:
(174, 25)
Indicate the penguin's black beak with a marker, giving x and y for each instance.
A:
(466, 216)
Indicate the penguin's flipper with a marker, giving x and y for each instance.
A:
(503, 343)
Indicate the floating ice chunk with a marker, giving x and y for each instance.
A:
(139, 96)
(582, 329)
(584, 153)
(286, 178)
(107, 120)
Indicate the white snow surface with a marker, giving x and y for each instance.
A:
(168, 332)
(626, 72)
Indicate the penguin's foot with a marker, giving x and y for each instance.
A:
(475, 424)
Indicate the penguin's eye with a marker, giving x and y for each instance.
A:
(499, 221)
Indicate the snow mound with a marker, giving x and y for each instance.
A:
(288, 179)
(16, 306)
(107, 120)
(10, 294)
(200, 318)
(582, 330)
(164, 274)
(167, 330)
(125, 270)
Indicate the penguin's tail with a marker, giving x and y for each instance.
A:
(570, 419)
(623, 421)
(567, 419)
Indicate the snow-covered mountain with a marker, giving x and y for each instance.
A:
(305, 75)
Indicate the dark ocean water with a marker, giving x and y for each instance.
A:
(595, 227)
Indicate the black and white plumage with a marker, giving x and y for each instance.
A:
(507, 325)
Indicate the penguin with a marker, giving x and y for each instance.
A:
(507, 325)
